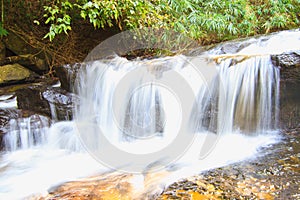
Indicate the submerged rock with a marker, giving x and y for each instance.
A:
(106, 186)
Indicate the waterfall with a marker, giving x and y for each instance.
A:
(211, 109)
(251, 95)
(129, 101)
(147, 112)
(129, 98)
(141, 107)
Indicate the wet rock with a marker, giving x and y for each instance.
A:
(61, 103)
(231, 48)
(290, 66)
(11, 89)
(287, 60)
(235, 46)
(67, 75)
(289, 104)
(30, 98)
(110, 186)
(26, 131)
(5, 116)
(15, 73)
(53, 102)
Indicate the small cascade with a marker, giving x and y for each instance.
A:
(25, 133)
(127, 99)
(249, 99)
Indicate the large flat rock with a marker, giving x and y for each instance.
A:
(15, 73)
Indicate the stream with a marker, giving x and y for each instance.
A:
(180, 127)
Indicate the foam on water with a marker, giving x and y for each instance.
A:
(8, 101)
(34, 170)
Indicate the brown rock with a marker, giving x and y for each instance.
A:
(15, 73)
(19, 46)
(29, 61)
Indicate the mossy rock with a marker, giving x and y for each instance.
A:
(22, 46)
(15, 73)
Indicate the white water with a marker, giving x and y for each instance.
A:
(8, 101)
(237, 107)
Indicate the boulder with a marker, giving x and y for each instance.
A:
(46, 100)
(30, 98)
(20, 46)
(15, 73)
(29, 61)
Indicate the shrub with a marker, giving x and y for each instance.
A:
(204, 20)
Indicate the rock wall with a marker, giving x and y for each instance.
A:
(289, 64)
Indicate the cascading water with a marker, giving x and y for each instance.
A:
(251, 99)
(25, 133)
(139, 111)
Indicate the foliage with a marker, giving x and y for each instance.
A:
(126, 14)
(3, 31)
(224, 19)
(203, 20)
